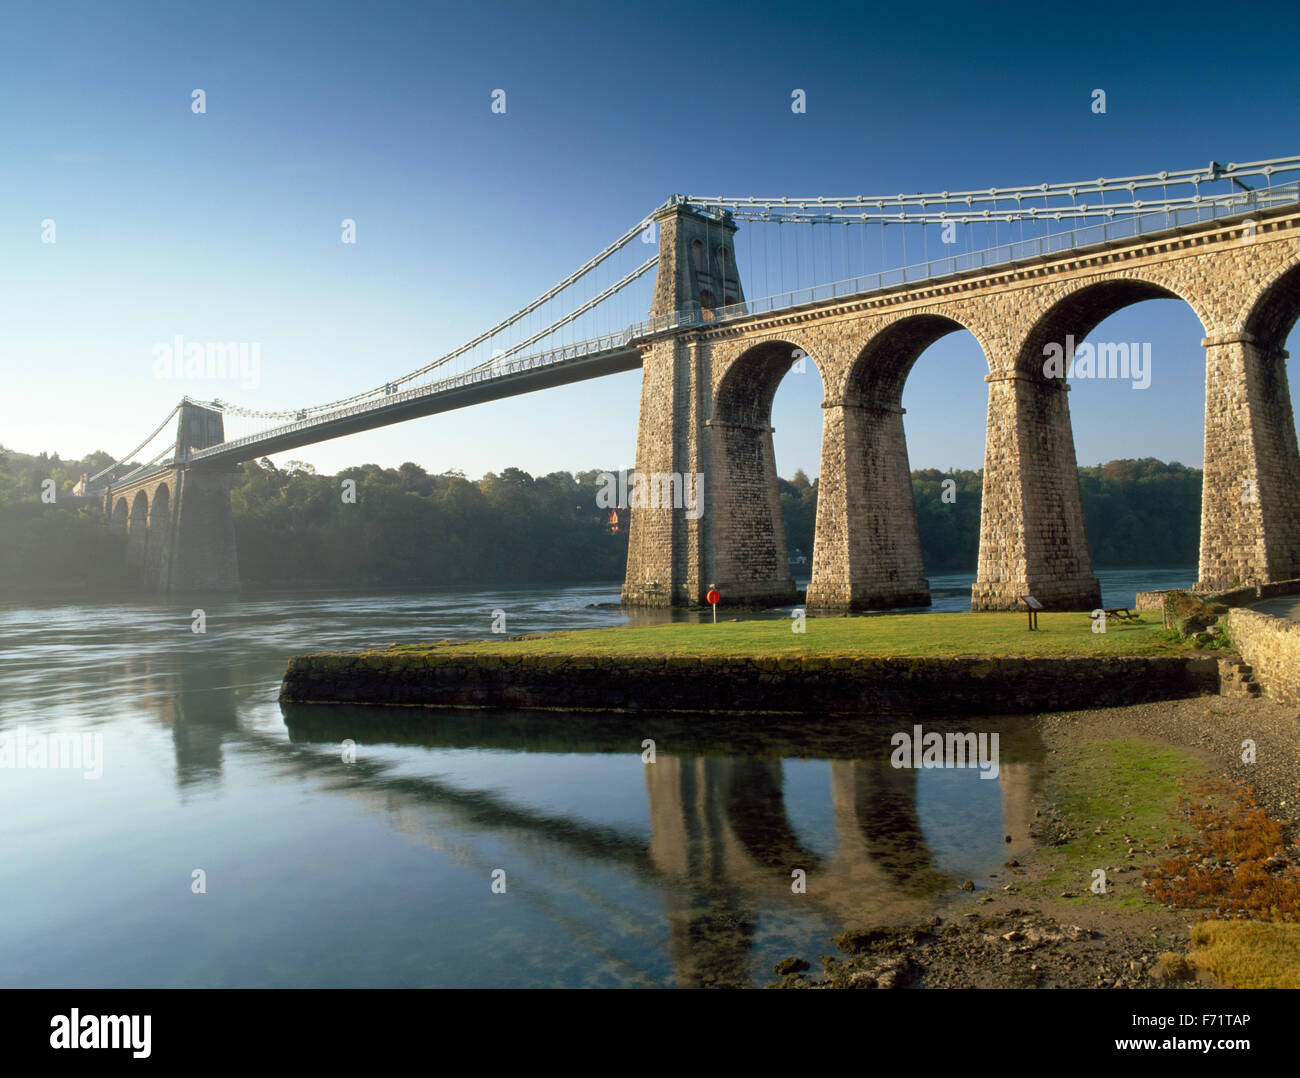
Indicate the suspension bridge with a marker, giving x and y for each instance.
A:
(861, 285)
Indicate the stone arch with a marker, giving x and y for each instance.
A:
(137, 529)
(878, 372)
(158, 543)
(1273, 314)
(748, 384)
(1033, 534)
(117, 521)
(750, 561)
(868, 549)
(1274, 309)
(159, 504)
(1078, 310)
(699, 256)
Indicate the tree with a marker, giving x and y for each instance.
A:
(411, 528)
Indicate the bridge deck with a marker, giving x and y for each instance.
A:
(383, 413)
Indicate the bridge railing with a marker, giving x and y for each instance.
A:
(1006, 254)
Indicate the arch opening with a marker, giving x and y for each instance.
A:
(751, 559)
(1130, 432)
(137, 530)
(1079, 314)
(880, 371)
(159, 534)
(870, 549)
(1272, 318)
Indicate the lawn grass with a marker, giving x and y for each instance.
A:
(894, 635)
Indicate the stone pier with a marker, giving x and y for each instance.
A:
(1250, 504)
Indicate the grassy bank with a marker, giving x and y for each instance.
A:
(891, 636)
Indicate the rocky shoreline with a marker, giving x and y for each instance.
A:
(1024, 929)
(1019, 948)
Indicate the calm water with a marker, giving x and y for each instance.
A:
(376, 872)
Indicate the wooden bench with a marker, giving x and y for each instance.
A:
(1123, 613)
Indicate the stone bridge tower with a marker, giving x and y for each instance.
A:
(671, 539)
(178, 523)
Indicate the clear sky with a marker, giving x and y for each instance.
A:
(226, 225)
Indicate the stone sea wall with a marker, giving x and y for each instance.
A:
(1243, 596)
(1272, 648)
(461, 678)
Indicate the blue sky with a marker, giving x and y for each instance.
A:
(225, 226)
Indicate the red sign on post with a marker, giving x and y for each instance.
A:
(713, 598)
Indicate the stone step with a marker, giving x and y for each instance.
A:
(1237, 678)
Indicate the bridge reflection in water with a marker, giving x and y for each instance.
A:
(725, 829)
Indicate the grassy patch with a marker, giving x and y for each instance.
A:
(1248, 954)
(1112, 797)
(888, 636)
